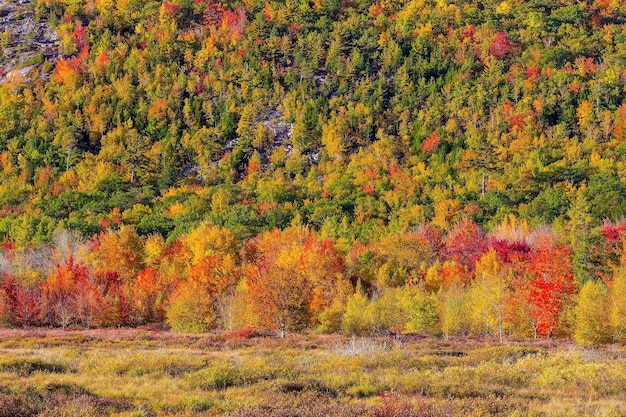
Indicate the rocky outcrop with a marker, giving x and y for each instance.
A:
(281, 131)
(26, 41)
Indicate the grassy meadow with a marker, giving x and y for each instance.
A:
(135, 372)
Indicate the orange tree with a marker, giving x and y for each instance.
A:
(292, 276)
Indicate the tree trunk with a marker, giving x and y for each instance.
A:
(484, 186)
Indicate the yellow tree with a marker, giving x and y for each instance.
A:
(617, 301)
(422, 308)
(334, 137)
(193, 306)
(209, 240)
(354, 320)
(119, 251)
(487, 296)
(592, 315)
(153, 248)
(454, 311)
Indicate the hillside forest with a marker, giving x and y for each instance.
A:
(370, 167)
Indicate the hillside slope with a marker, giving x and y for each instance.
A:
(358, 118)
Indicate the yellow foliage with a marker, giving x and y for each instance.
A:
(512, 229)
(175, 210)
(189, 311)
(208, 240)
(592, 315)
(503, 8)
(487, 296)
(153, 249)
(454, 311)
(118, 251)
(617, 300)
(445, 210)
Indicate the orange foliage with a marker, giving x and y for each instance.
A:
(69, 296)
(292, 277)
(102, 60)
(431, 143)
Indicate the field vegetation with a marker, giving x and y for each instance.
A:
(147, 373)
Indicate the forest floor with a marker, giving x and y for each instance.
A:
(139, 372)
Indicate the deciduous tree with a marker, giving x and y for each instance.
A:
(551, 285)
(593, 326)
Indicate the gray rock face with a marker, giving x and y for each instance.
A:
(281, 131)
(26, 42)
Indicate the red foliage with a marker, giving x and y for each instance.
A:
(368, 189)
(454, 273)
(586, 65)
(27, 308)
(66, 69)
(431, 143)
(80, 36)
(103, 59)
(614, 232)
(267, 11)
(212, 14)
(533, 72)
(294, 28)
(235, 22)
(551, 285)
(394, 170)
(619, 127)
(432, 236)
(200, 87)
(112, 283)
(465, 243)
(392, 405)
(510, 251)
(468, 33)
(69, 296)
(24, 301)
(171, 9)
(519, 121)
(145, 297)
(207, 272)
(234, 19)
(500, 46)
(8, 247)
(243, 333)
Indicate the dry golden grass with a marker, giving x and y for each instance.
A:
(149, 373)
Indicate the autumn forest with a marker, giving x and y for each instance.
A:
(360, 167)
